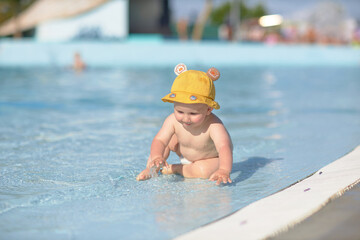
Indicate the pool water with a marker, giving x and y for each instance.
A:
(72, 144)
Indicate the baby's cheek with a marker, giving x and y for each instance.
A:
(198, 119)
(177, 117)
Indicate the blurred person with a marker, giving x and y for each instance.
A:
(225, 31)
(349, 30)
(310, 35)
(256, 33)
(193, 132)
(356, 38)
(187, 14)
(182, 29)
(201, 20)
(272, 38)
(78, 64)
(290, 33)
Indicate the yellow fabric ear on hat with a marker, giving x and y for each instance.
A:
(213, 73)
(180, 68)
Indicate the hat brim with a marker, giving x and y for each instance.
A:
(188, 98)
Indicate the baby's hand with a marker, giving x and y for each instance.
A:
(158, 162)
(220, 176)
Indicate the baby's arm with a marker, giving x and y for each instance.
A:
(224, 147)
(160, 142)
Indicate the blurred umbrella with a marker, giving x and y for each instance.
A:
(45, 10)
(12, 8)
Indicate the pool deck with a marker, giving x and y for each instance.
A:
(295, 210)
(337, 220)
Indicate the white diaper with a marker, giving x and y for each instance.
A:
(184, 160)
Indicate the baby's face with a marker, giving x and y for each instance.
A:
(191, 115)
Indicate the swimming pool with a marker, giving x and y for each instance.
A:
(71, 145)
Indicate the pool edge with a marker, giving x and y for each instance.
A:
(276, 213)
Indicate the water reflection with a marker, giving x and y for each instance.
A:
(199, 201)
(248, 167)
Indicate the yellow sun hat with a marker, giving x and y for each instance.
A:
(191, 86)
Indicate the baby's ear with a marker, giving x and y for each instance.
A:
(209, 110)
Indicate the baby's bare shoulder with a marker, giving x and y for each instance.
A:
(215, 120)
(216, 125)
(170, 118)
(169, 121)
(219, 133)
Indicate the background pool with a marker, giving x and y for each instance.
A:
(71, 145)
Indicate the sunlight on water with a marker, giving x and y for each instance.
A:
(71, 146)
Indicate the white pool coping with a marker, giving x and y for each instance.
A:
(276, 213)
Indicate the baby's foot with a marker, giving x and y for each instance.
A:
(144, 175)
(167, 170)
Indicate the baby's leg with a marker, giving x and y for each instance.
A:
(198, 169)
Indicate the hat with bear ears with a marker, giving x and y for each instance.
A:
(191, 86)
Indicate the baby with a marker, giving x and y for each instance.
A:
(193, 132)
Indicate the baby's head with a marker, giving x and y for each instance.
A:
(191, 86)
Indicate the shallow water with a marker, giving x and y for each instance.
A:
(71, 145)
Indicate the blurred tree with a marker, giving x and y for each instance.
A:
(221, 14)
(12, 8)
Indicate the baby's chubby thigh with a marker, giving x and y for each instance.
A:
(201, 168)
